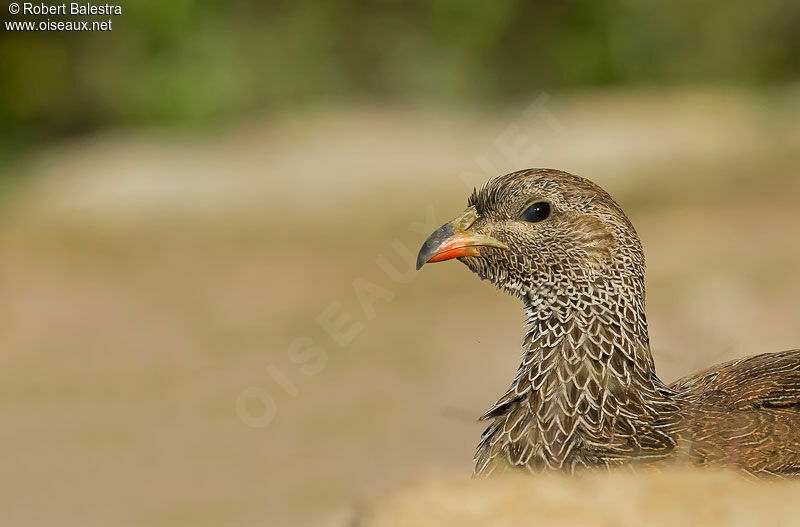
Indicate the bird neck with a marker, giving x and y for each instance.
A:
(591, 333)
(587, 376)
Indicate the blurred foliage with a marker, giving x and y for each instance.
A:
(193, 62)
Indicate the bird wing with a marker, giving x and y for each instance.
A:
(770, 380)
(747, 413)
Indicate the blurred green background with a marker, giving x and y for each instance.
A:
(183, 197)
(204, 62)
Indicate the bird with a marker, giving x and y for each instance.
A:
(586, 394)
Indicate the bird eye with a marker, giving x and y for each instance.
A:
(536, 212)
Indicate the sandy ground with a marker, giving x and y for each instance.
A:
(163, 357)
(678, 497)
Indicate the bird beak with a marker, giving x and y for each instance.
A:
(454, 240)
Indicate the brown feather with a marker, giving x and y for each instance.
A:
(586, 394)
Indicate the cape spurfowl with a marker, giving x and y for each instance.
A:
(587, 393)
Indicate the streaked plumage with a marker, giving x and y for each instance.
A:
(586, 393)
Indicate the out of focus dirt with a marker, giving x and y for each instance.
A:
(151, 279)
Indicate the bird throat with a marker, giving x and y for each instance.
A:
(585, 393)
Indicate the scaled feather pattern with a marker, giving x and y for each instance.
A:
(586, 394)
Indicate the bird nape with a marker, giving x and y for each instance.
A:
(586, 393)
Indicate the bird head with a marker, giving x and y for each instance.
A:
(534, 230)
